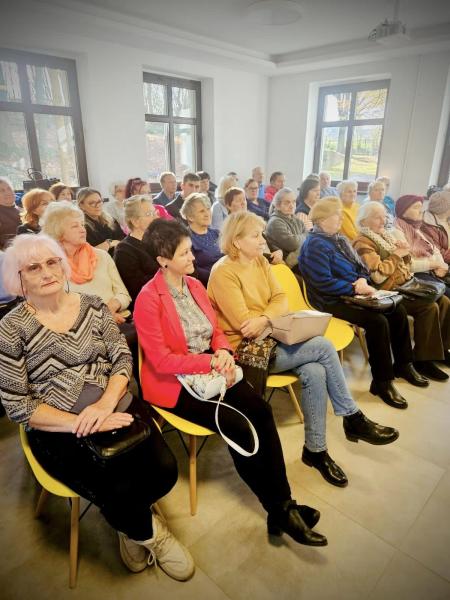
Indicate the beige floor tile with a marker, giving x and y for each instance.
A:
(406, 579)
(428, 540)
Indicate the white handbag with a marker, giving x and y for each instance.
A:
(205, 386)
(297, 327)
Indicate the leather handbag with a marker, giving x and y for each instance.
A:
(106, 445)
(254, 356)
(382, 303)
(297, 327)
(420, 289)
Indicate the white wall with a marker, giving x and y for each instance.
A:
(413, 115)
(234, 102)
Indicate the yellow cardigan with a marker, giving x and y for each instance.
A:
(348, 227)
(241, 291)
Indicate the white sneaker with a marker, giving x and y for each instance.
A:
(173, 558)
(133, 554)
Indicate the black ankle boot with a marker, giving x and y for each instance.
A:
(387, 392)
(326, 466)
(286, 519)
(359, 427)
(408, 372)
(310, 515)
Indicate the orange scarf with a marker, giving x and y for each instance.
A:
(82, 264)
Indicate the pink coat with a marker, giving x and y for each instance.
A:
(163, 342)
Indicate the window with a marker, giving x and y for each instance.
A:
(350, 123)
(40, 118)
(172, 125)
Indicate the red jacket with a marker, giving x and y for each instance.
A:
(163, 342)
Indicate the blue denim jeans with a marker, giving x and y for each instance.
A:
(317, 364)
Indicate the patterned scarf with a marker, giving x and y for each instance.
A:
(384, 241)
(419, 245)
(82, 264)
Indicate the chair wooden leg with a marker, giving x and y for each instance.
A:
(341, 356)
(158, 510)
(40, 505)
(193, 473)
(362, 340)
(295, 403)
(74, 533)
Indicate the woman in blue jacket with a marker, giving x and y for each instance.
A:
(332, 269)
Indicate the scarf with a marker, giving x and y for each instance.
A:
(343, 246)
(82, 264)
(419, 245)
(384, 241)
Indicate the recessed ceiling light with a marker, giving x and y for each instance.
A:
(274, 12)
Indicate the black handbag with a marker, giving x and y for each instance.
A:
(381, 305)
(420, 289)
(254, 357)
(109, 444)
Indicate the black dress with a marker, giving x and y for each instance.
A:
(134, 264)
(97, 233)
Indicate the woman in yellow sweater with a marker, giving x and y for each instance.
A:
(347, 191)
(246, 296)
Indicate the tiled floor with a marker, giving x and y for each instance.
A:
(388, 531)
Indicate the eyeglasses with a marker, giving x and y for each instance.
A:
(253, 189)
(36, 269)
(149, 213)
(94, 204)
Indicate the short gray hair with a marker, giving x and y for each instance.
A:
(278, 198)
(372, 184)
(54, 216)
(346, 183)
(188, 204)
(366, 210)
(114, 185)
(132, 206)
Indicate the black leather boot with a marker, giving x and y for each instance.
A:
(286, 519)
(359, 427)
(430, 370)
(408, 372)
(310, 515)
(326, 466)
(387, 392)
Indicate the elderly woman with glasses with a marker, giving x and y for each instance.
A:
(64, 375)
(255, 203)
(133, 262)
(102, 230)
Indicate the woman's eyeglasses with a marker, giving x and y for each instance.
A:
(36, 269)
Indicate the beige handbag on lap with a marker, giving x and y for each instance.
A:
(297, 326)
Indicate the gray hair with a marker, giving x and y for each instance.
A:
(366, 210)
(372, 184)
(278, 198)
(54, 216)
(132, 206)
(188, 204)
(346, 183)
(114, 185)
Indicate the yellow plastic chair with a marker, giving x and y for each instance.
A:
(193, 431)
(53, 486)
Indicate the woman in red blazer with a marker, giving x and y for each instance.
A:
(178, 333)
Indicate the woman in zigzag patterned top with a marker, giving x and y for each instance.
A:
(68, 369)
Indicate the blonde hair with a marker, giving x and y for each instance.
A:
(235, 227)
(225, 183)
(186, 209)
(55, 215)
(132, 206)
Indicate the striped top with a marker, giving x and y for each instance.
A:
(39, 365)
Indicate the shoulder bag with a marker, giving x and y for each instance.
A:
(420, 289)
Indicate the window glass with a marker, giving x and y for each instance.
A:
(57, 147)
(155, 99)
(157, 147)
(14, 152)
(332, 151)
(185, 149)
(370, 104)
(9, 82)
(48, 86)
(183, 102)
(364, 152)
(337, 107)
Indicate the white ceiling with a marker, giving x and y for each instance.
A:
(323, 22)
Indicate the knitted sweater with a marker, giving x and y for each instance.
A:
(241, 291)
(327, 272)
(348, 227)
(286, 232)
(205, 248)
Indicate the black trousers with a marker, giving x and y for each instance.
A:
(123, 487)
(383, 332)
(265, 472)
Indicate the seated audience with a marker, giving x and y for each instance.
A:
(103, 232)
(234, 200)
(168, 183)
(331, 269)
(34, 203)
(426, 258)
(189, 185)
(114, 206)
(326, 188)
(255, 203)
(138, 187)
(178, 332)
(133, 262)
(377, 193)
(61, 191)
(388, 201)
(258, 176)
(246, 295)
(436, 222)
(277, 181)
(65, 401)
(348, 193)
(9, 213)
(196, 210)
(308, 194)
(284, 230)
(218, 210)
(388, 261)
(204, 185)
(7, 301)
